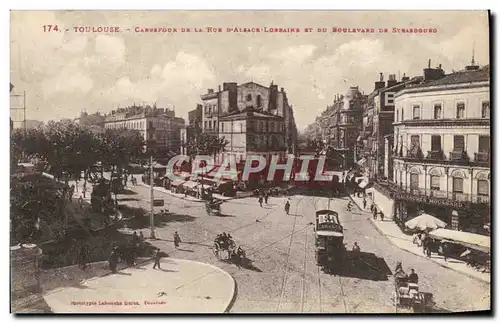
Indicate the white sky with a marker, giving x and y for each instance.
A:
(66, 72)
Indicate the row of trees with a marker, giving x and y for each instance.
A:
(69, 149)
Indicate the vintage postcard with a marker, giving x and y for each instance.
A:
(250, 162)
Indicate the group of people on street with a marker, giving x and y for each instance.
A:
(264, 198)
(429, 245)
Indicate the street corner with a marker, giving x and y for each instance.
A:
(179, 286)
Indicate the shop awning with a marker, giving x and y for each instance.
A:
(176, 182)
(190, 184)
(467, 239)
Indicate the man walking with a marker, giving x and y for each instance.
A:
(364, 203)
(287, 207)
(266, 197)
(157, 257)
(260, 200)
(177, 240)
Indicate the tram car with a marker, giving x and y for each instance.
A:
(330, 248)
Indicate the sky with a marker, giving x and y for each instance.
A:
(66, 72)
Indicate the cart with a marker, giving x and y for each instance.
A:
(213, 207)
(407, 295)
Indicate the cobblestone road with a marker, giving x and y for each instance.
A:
(285, 277)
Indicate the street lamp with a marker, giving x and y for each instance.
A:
(151, 214)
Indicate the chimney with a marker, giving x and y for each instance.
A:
(210, 91)
(392, 80)
(219, 88)
(433, 74)
(405, 78)
(282, 89)
(380, 84)
(429, 65)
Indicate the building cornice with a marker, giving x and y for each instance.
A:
(448, 87)
(447, 123)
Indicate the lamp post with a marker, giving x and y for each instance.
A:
(152, 212)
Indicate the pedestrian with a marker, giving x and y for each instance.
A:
(374, 210)
(287, 207)
(141, 238)
(444, 249)
(156, 258)
(364, 203)
(177, 240)
(260, 200)
(84, 191)
(113, 259)
(80, 202)
(381, 216)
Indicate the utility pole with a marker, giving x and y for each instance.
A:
(151, 193)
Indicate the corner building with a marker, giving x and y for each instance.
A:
(441, 156)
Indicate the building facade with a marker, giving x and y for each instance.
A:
(441, 153)
(252, 118)
(342, 124)
(195, 123)
(378, 117)
(159, 127)
(94, 119)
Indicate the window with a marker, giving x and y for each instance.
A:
(206, 124)
(436, 143)
(261, 126)
(435, 185)
(458, 143)
(415, 141)
(209, 109)
(266, 124)
(483, 187)
(241, 127)
(271, 127)
(413, 181)
(438, 110)
(460, 110)
(249, 97)
(402, 114)
(484, 144)
(458, 185)
(416, 112)
(259, 101)
(485, 110)
(397, 116)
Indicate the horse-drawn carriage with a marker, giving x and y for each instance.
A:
(407, 294)
(236, 255)
(213, 206)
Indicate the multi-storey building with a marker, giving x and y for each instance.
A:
(94, 119)
(345, 123)
(160, 127)
(378, 116)
(441, 157)
(252, 117)
(195, 121)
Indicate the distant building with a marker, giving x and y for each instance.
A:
(341, 124)
(441, 156)
(252, 117)
(94, 119)
(195, 119)
(160, 128)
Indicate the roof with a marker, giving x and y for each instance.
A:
(250, 114)
(251, 82)
(460, 77)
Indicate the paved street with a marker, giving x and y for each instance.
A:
(285, 277)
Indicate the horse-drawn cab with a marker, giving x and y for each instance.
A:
(213, 206)
(407, 294)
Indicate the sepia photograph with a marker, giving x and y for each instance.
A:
(250, 162)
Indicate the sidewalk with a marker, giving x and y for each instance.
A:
(180, 286)
(169, 192)
(392, 232)
(359, 203)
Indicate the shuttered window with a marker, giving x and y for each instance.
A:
(483, 187)
(458, 185)
(435, 183)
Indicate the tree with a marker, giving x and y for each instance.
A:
(205, 145)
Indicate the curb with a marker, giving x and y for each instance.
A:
(145, 260)
(357, 204)
(215, 268)
(430, 259)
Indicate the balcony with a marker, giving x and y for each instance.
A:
(431, 196)
(482, 157)
(435, 155)
(459, 156)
